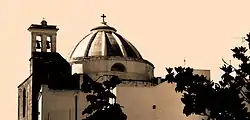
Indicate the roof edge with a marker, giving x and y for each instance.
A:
(25, 80)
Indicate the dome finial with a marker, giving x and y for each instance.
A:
(103, 21)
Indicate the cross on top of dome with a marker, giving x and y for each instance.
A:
(104, 26)
(103, 21)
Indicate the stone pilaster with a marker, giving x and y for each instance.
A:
(44, 39)
(53, 43)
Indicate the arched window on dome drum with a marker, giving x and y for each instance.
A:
(24, 102)
(118, 67)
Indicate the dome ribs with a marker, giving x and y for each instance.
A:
(104, 41)
(127, 47)
(113, 48)
(76, 46)
(96, 48)
(89, 45)
(133, 47)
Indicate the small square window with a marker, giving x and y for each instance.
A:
(154, 106)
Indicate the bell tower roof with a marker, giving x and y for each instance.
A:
(43, 25)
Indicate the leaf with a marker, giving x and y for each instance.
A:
(99, 95)
(179, 69)
(91, 98)
(169, 70)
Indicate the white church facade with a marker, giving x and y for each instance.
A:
(52, 91)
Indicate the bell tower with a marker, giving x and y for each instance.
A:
(48, 71)
(43, 37)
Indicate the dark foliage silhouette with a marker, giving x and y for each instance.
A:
(99, 95)
(225, 100)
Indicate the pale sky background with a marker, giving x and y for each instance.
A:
(163, 31)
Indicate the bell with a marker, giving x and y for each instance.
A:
(48, 44)
(38, 45)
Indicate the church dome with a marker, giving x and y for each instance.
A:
(104, 41)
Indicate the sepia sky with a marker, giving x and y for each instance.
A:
(164, 32)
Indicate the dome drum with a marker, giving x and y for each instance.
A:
(130, 68)
(78, 60)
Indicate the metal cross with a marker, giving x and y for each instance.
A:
(103, 17)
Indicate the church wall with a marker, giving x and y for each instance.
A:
(137, 101)
(27, 85)
(60, 104)
(168, 103)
